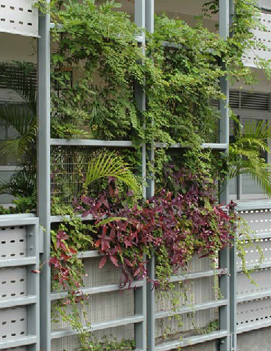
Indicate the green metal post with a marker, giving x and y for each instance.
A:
(140, 294)
(224, 18)
(44, 173)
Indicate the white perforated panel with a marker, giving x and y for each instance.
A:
(253, 311)
(260, 277)
(12, 282)
(18, 17)
(252, 254)
(13, 323)
(12, 242)
(250, 58)
(258, 220)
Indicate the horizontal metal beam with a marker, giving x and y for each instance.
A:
(18, 301)
(192, 308)
(256, 237)
(60, 219)
(89, 254)
(6, 221)
(253, 205)
(189, 276)
(193, 340)
(89, 142)
(100, 326)
(97, 290)
(18, 215)
(255, 266)
(15, 262)
(253, 326)
(253, 296)
(215, 146)
(26, 340)
(138, 38)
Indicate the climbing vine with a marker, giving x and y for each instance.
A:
(97, 68)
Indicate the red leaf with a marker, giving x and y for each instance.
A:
(137, 272)
(35, 271)
(103, 261)
(114, 260)
(98, 243)
(129, 264)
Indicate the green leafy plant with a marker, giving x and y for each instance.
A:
(245, 152)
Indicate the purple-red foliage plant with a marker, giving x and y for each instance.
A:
(175, 225)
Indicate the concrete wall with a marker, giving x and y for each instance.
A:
(257, 340)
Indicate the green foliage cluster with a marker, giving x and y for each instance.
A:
(98, 68)
(179, 66)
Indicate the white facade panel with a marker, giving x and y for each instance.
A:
(19, 17)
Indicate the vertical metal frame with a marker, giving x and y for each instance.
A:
(140, 294)
(44, 173)
(149, 193)
(144, 18)
(227, 314)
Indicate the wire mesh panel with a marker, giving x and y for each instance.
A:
(18, 17)
(251, 58)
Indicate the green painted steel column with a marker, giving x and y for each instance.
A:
(140, 294)
(233, 252)
(150, 193)
(44, 173)
(224, 262)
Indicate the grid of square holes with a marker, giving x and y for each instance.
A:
(13, 282)
(18, 17)
(253, 312)
(261, 37)
(13, 323)
(12, 242)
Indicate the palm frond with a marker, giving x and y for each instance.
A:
(20, 117)
(21, 184)
(245, 154)
(110, 165)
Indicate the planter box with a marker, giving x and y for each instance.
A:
(18, 17)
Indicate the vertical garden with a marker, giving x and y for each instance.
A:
(99, 68)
